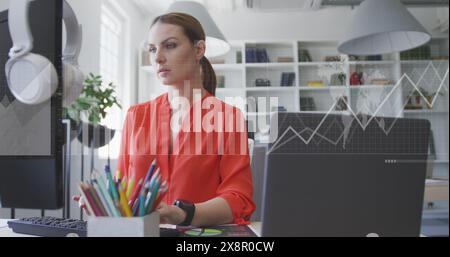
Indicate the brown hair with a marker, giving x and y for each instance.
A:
(194, 31)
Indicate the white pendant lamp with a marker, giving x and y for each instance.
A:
(381, 27)
(216, 44)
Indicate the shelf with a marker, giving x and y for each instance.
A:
(319, 63)
(424, 112)
(421, 61)
(372, 62)
(372, 87)
(253, 89)
(270, 64)
(303, 88)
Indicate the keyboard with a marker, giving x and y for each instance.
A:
(58, 227)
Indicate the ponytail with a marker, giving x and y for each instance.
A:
(208, 76)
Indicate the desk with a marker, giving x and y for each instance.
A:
(5, 231)
(436, 190)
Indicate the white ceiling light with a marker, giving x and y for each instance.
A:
(216, 44)
(383, 26)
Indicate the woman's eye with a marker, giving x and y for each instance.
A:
(171, 45)
(152, 49)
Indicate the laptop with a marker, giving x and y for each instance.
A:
(338, 175)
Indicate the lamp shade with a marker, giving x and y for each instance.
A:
(381, 27)
(216, 44)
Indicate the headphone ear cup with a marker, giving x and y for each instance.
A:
(32, 78)
(73, 83)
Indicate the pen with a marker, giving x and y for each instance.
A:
(150, 171)
(118, 176)
(137, 191)
(154, 177)
(153, 195)
(97, 200)
(102, 198)
(88, 204)
(124, 183)
(142, 204)
(112, 187)
(90, 199)
(109, 201)
(135, 208)
(130, 187)
(124, 203)
(161, 192)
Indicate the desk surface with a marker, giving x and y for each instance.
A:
(5, 231)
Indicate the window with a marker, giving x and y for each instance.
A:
(112, 56)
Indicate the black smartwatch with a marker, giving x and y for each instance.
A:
(188, 208)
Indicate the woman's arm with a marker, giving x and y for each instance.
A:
(212, 212)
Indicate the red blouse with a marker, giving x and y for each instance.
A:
(203, 163)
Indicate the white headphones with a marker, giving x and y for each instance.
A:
(32, 78)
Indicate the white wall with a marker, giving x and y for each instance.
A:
(324, 24)
(4, 5)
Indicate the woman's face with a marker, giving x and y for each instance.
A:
(172, 54)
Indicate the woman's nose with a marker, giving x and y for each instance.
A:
(159, 57)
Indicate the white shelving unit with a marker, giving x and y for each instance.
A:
(237, 75)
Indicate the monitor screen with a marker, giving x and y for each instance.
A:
(31, 135)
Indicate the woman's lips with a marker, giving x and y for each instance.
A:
(164, 72)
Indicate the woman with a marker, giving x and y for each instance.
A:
(201, 154)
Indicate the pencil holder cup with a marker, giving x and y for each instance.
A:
(147, 226)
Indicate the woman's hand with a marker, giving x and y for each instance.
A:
(81, 203)
(170, 214)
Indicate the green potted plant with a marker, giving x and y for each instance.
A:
(92, 105)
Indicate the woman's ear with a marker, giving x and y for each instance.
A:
(200, 49)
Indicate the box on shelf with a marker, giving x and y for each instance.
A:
(285, 59)
(439, 58)
(146, 226)
(334, 58)
(315, 83)
(262, 83)
(381, 82)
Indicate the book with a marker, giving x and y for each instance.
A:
(250, 55)
(287, 79)
(307, 104)
(261, 55)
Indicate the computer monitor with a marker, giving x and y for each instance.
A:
(31, 136)
(339, 175)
